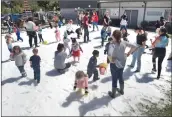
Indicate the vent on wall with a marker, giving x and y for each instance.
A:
(154, 13)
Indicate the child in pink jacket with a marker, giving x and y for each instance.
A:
(81, 81)
(57, 34)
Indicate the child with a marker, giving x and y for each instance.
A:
(124, 34)
(76, 48)
(9, 41)
(81, 81)
(103, 35)
(78, 32)
(57, 31)
(92, 66)
(17, 31)
(69, 27)
(40, 34)
(20, 59)
(107, 48)
(49, 22)
(35, 64)
(66, 42)
(108, 32)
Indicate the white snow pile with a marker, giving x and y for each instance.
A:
(54, 96)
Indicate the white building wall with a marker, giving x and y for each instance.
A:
(154, 10)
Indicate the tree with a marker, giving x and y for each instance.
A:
(43, 4)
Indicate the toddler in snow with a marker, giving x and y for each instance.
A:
(40, 33)
(107, 48)
(20, 59)
(17, 31)
(69, 27)
(92, 66)
(103, 35)
(124, 34)
(66, 42)
(81, 81)
(76, 48)
(57, 32)
(35, 64)
(109, 32)
(9, 41)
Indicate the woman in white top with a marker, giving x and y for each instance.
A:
(123, 23)
(30, 28)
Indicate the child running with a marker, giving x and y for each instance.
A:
(57, 32)
(17, 30)
(81, 81)
(76, 48)
(40, 33)
(92, 66)
(9, 41)
(20, 59)
(106, 51)
(35, 64)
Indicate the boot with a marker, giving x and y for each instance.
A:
(121, 91)
(113, 93)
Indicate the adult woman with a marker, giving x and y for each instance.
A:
(117, 61)
(30, 28)
(106, 19)
(160, 50)
(141, 43)
(59, 59)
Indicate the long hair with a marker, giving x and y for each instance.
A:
(117, 35)
(16, 47)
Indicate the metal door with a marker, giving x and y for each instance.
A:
(128, 13)
(134, 17)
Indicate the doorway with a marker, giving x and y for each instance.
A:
(132, 17)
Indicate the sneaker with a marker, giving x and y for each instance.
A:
(154, 70)
(137, 71)
(158, 77)
(130, 66)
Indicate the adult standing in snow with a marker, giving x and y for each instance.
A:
(106, 19)
(59, 59)
(141, 43)
(86, 25)
(117, 61)
(30, 28)
(160, 50)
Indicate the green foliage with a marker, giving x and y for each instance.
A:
(48, 5)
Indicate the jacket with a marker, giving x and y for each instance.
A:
(20, 59)
(92, 64)
(59, 60)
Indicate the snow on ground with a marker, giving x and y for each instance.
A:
(54, 96)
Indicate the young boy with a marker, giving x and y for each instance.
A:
(92, 66)
(107, 48)
(35, 64)
(40, 33)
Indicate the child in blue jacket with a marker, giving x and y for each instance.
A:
(103, 35)
(18, 34)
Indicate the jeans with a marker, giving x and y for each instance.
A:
(123, 27)
(160, 54)
(86, 34)
(37, 73)
(40, 38)
(117, 74)
(137, 56)
(22, 70)
(91, 72)
(95, 24)
(18, 37)
(32, 34)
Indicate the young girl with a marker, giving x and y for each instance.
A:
(40, 33)
(76, 48)
(9, 41)
(57, 32)
(81, 81)
(20, 59)
(109, 31)
(66, 42)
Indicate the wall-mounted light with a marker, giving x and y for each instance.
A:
(89, 6)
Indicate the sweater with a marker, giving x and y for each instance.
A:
(20, 59)
(59, 60)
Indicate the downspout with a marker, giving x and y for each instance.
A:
(145, 5)
(119, 10)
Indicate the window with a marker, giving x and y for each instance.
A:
(154, 13)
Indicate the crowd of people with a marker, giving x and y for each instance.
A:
(114, 49)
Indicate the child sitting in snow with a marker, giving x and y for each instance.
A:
(66, 42)
(69, 27)
(40, 33)
(81, 81)
(78, 32)
(92, 66)
(57, 32)
(20, 59)
(35, 64)
(103, 35)
(9, 41)
(76, 48)
(107, 48)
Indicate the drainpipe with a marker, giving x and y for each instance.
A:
(145, 5)
(119, 10)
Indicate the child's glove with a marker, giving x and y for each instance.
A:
(74, 88)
